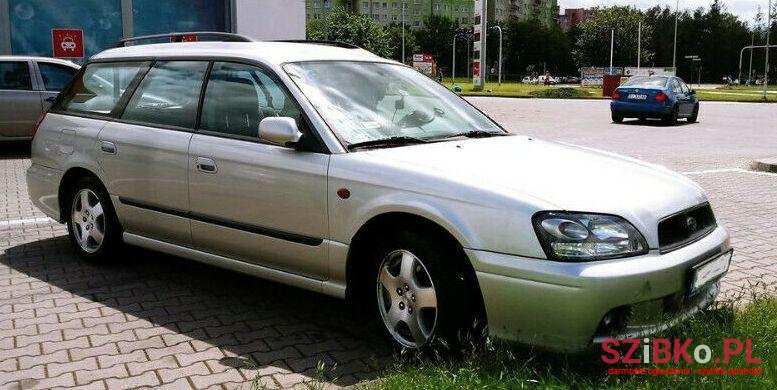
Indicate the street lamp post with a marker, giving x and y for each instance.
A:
(404, 5)
(674, 54)
(768, 31)
(500, 52)
(750, 72)
(612, 47)
(453, 62)
(639, 45)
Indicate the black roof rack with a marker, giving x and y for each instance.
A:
(321, 42)
(181, 36)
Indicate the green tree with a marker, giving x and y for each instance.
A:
(394, 32)
(531, 46)
(593, 44)
(343, 25)
(436, 38)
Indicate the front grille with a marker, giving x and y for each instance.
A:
(685, 227)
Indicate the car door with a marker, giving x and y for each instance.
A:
(250, 200)
(682, 97)
(691, 97)
(53, 78)
(20, 104)
(144, 152)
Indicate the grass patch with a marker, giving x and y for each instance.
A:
(519, 90)
(559, 93)
(503, 366)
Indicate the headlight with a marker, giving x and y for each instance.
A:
(584, 237)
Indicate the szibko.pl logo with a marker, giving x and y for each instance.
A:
(658, 350)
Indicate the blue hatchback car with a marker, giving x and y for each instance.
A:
(664, 97)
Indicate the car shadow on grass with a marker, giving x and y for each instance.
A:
(262, 328)
(12, 150)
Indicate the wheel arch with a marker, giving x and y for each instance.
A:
(357, 263)
(66, 183)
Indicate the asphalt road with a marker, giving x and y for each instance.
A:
(728, 135)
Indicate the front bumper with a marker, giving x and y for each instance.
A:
(561, 306)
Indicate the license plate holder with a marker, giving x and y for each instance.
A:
(636, 96)
(708, 271)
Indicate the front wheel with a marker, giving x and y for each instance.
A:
(422, 293)
(92, 223)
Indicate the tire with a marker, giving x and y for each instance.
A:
(642, 119)
(422, 295)
(695, 115)
(617, 118)
(91, 221)
(671, 119)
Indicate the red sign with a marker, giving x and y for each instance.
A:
(476, 69)
(67, 43)
(184, 38)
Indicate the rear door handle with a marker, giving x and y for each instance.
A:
(108, 147)
(206, 165)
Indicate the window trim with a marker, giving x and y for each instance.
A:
(123, 103)
(321, 146)
(30, 71)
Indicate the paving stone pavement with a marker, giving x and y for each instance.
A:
(152, 320)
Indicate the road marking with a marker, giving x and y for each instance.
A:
(15, 222)
(729, 170)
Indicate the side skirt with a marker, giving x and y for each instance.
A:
(326, 287)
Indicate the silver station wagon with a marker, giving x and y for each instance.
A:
(323, 166)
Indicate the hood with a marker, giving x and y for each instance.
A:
(569, 177)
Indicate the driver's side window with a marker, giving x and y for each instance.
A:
(239, 96)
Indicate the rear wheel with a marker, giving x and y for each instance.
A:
(92, 224)
(617, 118)
(671, 118)
(422, 293)
(695, 115)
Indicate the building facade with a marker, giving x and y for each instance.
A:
(391, 11)
(26, 25)
(572, 17)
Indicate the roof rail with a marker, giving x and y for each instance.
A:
(320, 42)
(184, 36)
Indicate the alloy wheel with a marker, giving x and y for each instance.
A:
(407, 299)
(88, 220)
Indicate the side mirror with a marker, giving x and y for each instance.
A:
(693, 92)
(279, 130)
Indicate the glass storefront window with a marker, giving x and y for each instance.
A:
(33, 20)
(159, 17)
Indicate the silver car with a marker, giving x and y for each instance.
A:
(328, 168)
(28, 85)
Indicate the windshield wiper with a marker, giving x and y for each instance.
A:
(390, 141)
(475, 134)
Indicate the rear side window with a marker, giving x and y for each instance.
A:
(168, 95)
(55, 76)
(99, 88)
(239, 96)
(15, 75)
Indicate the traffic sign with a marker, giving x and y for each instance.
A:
(67, 43)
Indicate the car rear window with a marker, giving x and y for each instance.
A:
(99, 88)
(646, 82)
(15, 75)
(55, 76)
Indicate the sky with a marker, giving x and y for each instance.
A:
(745, 9)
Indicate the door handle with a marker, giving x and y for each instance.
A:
(108, 147)
(206, 165)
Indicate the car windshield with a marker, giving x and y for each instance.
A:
(364, 101)
(646, 82)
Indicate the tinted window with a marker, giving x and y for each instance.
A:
(684, 87)
(15, 75)
(239, 96)
(676, 87)
(99, 87)
(55, 77)
(168, 95)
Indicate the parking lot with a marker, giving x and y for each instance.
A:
(154, 320)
